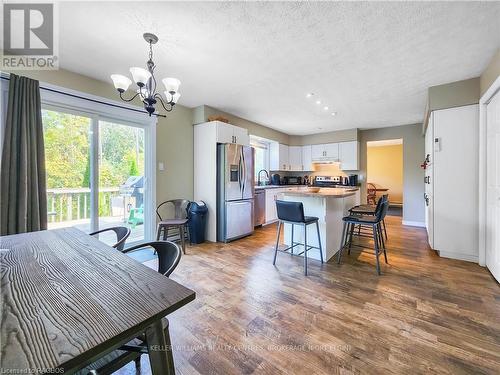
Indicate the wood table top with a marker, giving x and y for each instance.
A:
(66, 297)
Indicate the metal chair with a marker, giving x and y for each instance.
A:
(122, 234)
(169, 255)
(170, 227)
(371, 193)
(293, 213)
(370, 209)
(370, 221)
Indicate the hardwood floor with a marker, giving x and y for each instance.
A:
(425, 314)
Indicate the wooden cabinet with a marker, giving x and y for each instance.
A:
(227, 133)
(278, 157)
(349, 152)
(295, 158)
(325, 152)
(307, 158)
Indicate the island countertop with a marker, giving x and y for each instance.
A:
(325, 192)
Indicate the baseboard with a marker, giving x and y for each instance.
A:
(414, 223)
(458, 256)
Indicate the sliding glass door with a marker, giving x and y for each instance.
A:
(121, 177)
(97, 176)
(67, 160)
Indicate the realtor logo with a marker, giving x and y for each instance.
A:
(28, 31)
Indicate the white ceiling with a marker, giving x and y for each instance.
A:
(370, 62)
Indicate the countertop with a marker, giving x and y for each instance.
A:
(264, 187)
(325, 192)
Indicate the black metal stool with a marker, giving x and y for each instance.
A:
(350, 222)
(293, 213)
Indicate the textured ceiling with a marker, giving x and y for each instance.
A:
(370, 62)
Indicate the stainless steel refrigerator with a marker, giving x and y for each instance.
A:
(235, 188)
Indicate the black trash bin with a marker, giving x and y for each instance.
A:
(197, 215)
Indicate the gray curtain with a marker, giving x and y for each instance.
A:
(23, 199)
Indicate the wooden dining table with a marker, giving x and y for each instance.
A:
(69, 299)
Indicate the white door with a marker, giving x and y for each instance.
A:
(317, 152)
(283, 157)
(332, 151)
(493, 186)
(225, 133)
(307, 158)
(241, 136)
(295, 158)
(348, 155)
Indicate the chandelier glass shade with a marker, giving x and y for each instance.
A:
(147, 85)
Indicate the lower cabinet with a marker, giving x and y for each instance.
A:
(271, 196)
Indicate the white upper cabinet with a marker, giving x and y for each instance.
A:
(325, 152)
(241, 136)
(307, 158)
(295, 158)
(227, 133)
(278, 157)
(349, 152)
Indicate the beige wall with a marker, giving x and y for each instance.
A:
(174, 134)
(202, 113)
(384, 168)
(330, 137)
(413, 177)
(491, 73)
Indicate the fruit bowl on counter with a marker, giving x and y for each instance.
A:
(313, 189)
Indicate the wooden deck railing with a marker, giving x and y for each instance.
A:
(74, 204)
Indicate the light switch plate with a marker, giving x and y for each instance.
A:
(437, 144)
(161, 166)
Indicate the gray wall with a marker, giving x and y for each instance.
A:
(330, 137)
(491, 73)
(201, 114)
(413, 175)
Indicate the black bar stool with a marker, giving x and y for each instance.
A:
(293, 213)
(370, 209)
(351, 221)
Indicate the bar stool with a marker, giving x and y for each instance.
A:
(373, 222)
(370, 209)
(293, 213)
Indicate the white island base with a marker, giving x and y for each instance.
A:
(330, 207)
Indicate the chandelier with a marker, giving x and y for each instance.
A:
(146, 83)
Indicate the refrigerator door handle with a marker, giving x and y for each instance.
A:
(244, 171)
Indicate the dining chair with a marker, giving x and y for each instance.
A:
(371, 193)
(169, 255)
(173, 221)
(122, 233)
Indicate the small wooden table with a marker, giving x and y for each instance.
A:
(68, 299)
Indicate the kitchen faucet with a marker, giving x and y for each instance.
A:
(258, 176)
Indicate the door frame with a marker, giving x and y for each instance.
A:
(483, 102)
(76, 103)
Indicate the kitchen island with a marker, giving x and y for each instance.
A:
(330, 205)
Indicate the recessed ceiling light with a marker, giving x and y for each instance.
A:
(334, 113)
(308, 95)
(325, 108)
(318, 101)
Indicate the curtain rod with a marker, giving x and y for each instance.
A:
(90, 100)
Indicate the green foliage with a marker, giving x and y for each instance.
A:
(67, 151)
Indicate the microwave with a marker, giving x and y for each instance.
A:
(293, 180)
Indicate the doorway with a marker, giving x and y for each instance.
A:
(384, 173)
